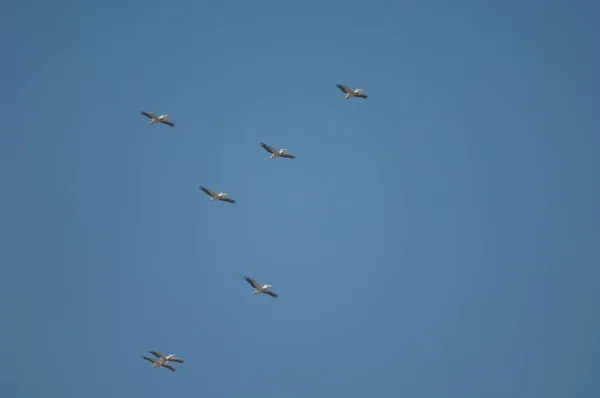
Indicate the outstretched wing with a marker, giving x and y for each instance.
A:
(268, 148)
(361, 95)
(171, 368)
(287, 155)
(228, 200)
(207, 191)
(270, 293)
(168, 122)
(176, 360)
(345, 89)
(158, 354)
(150, 359)
(252, 282)
(149, 115)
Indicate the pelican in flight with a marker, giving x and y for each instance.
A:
(158, 119)
(352, 93)
(277, 153)
(168, 358)
(258, 289)
(163, 360)
(214, 196)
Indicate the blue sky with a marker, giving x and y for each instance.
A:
(439, 239)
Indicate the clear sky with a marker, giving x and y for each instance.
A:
(439, 239)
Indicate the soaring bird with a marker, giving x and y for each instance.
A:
(352, 93)
(214, 196)
(158, 119)
(276, 153)
(158, 364)
(168, 358)
(258, 289)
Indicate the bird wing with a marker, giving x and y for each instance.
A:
(171, 368)
(176, 360)
(345, 89)
(252, 282)
(150, 359)
(158, 354)
(270, 293)
(287, 155)
(361, 95)
(168, 122)
(149, 115)
(229, 200)
(207, 191)
(268, 148)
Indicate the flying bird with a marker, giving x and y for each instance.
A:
(158, 364)
(258, 289)
(168, 358)
(214, 196)
(352, 93)
(158, 119)
(276, 153)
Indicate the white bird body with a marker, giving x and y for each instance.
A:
(159, 119)
(279, 153)
(220, 195)
(261, 289)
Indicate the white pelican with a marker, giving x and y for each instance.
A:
(158, 364)
(168, 358)
(352, 93)
(158, 119)
(277, 153)
(258, 289)
(214, 196)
